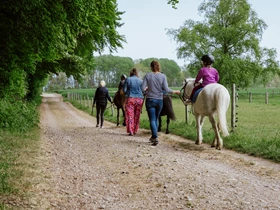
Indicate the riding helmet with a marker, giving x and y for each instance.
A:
(123, 76)
(208, 60)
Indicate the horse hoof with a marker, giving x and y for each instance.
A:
(167, 132)
(124, 124)
(197, 142)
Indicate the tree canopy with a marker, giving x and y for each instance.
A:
(43, 37)
(168, 67)
(110, 68)
(231, 32)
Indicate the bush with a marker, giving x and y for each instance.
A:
(18, 115)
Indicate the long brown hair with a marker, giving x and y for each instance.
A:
(134, 72)
(155, 66)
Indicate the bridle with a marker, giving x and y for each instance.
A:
(183, 96)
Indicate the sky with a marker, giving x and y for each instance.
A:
(146, 23)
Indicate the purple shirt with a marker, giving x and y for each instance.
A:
(208, 76)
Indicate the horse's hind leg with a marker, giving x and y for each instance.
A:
(118, 117)
(167, 125)
(218, 141)
(159, 124)
(124, 118)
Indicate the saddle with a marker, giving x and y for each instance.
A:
(196, 94)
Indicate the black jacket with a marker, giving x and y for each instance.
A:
(101, 96)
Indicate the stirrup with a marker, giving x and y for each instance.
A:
(188, 102)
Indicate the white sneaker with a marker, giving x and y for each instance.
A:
(101, 126)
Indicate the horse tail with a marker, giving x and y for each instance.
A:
(223, 100)
(168, 107)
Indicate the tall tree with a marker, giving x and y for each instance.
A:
(43, 37)
(172, 70)
(231, 31)
(110, 68)
(168, 67)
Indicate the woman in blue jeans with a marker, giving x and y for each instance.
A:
(154, 83)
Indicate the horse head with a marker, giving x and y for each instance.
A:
(187, 88)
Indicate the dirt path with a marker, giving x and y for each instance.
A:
(91, 168)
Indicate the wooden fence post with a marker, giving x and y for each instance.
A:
(250, 97)
(266, 98)
(187, 114)
(88, 103)
(233, 105)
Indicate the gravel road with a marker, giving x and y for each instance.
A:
(85, 167)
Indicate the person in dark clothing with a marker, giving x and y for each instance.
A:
(121, 85)
(100, 99)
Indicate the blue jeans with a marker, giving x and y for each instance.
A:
(154, 107)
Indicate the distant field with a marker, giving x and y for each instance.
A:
(257, 132)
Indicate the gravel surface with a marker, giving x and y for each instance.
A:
(85, 167)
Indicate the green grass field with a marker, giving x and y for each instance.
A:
(257, 131)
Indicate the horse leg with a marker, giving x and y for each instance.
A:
(118, 117)
(124, 118)
(198, 129)
(218, 141)
(159, 124)
(199, 123)
(167, 125)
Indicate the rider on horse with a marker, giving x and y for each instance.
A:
(121, 84)
(207, 74)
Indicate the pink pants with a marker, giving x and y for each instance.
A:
(133, 107)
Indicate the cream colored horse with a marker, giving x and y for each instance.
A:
(213, 100)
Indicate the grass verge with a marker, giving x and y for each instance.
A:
(257, 132)
(17, 161)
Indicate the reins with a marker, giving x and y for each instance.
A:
(112, 105)
(182, 96)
